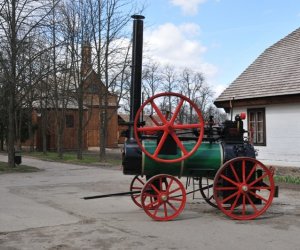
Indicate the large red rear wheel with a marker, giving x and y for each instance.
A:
(163, 197)
(169, 124)
(244, 188)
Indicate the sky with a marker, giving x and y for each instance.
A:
(219, 38)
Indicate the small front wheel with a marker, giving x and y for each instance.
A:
(163, 197)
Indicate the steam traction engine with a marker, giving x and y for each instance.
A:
(168, 139)
(216, 156)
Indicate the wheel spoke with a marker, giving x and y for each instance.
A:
(151, 196)
(179, 143)
(187, 126)
(173, 191)
(156, 210)
(171, 205)
(244, 204)
(151, 205)
(225, 188)
(251, 202)
(175, 198)
(160, 144)
(234, 172)
(169, 186)
(154, 120)
(235, 202)
(229, 197)
(258, 196)
(229, 180)
(165, 209)
(161, 116)
(149, 129)
(251, 172)
(154, 188)
(258, 179)
(160, 185)
(176, 111)
(140, 180)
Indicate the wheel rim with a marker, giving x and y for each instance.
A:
(168, 126)
(206, 190)
(163, 197)
(137, 184)
(244, 188)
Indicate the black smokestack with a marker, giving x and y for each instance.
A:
(136, 72)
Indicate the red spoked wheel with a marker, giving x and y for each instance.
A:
(163, 197)
(137, 184)
(244, 188)
(168, 125)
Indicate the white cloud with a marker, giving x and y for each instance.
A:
(178, 46)
(218, 88)
(189, 7)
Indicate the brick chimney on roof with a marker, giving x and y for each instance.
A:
(86, 61)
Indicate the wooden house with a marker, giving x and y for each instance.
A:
(92, 109)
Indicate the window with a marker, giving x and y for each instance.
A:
(93, 88)
(69, 121)
(257, 126)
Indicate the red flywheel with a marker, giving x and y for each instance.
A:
(169, 124)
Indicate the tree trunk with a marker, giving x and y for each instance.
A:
(80, 121)
(44, 130)
(11, 130)
(12, 85)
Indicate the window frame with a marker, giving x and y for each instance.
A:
(70, 121)
(256, 110)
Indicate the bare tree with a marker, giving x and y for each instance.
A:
(18, 20)
(75, 27)
(111, 44)
(194, 87)
(152, 78)
(169, 84)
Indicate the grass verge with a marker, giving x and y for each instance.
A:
(287, 179)
(4, 168)
(71, 157)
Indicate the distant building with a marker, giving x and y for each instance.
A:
(269, 92)
(92, 86)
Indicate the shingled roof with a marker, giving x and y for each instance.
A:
(276, 72)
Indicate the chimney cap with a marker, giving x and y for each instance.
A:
(138, 17)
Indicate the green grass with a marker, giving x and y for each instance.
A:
(71, 157)
(4, 168)
(287, 179)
